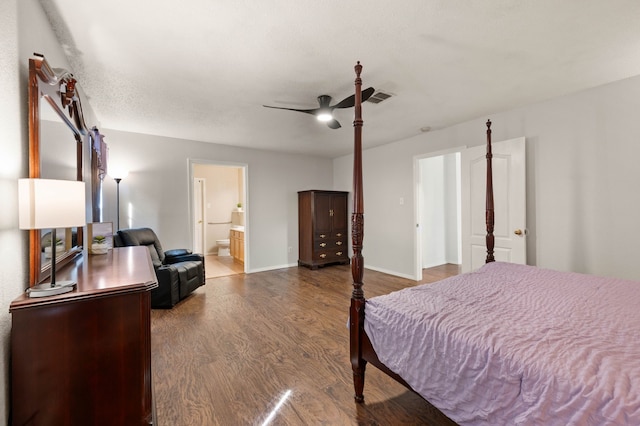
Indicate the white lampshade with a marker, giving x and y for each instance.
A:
(48, 203)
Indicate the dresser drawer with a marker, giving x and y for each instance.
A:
(330, 244)
(336, 255)
(330, 247)
(337, 234)
(330, 236)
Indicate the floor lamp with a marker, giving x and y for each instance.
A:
(118, 177)
(51, 204)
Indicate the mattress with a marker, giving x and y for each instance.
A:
(514, 345)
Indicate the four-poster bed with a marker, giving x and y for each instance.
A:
(505, 344)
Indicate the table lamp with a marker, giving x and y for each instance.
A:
(51, 204)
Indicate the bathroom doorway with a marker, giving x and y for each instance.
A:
(219, 216)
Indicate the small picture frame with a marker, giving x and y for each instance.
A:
(100, 237)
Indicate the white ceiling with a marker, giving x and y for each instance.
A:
(202, 69)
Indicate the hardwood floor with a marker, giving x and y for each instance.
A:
(273, 348)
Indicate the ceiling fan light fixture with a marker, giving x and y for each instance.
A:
(324, 116)
(324, 112)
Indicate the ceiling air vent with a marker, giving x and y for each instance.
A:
(378, 97)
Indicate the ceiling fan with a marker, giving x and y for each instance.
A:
(325, 110)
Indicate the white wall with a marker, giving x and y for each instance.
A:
(157, 188)
(582, 205)
(433, 220)
(452, 207)
(24, 30)
(439, 210)
(14, 244)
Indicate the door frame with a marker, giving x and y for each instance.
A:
(417, 196)
(191, 162)
(203, 202)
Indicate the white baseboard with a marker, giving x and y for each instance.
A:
(272, 268)
(389, 272)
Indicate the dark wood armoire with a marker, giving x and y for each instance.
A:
(323, 228)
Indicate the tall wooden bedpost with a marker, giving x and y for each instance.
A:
(490, 211)
(356, 314)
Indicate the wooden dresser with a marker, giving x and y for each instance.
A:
(84, 357)
(323, 228)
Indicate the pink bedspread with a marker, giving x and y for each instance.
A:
(513, 344)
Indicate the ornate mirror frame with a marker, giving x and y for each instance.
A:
(56, 87)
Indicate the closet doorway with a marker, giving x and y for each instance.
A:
(219, 216)
(438, 213)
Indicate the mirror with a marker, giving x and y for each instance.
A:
(56, 135)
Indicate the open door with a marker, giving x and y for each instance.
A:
(509, 187)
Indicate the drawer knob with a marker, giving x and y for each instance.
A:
(323, 255)
(339, 253)
(338, 234)
(323, 244)
(322, 236)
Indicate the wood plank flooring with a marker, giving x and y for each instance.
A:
(273, 348)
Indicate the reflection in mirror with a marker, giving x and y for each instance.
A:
(57, 161)
(57, 150)
(56, 133)
(99, 154)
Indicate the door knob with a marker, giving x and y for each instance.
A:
(518, 232)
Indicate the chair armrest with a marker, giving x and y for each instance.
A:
(177, 252)
(175, 255)
(187, 256)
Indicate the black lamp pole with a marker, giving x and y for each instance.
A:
(117, 202)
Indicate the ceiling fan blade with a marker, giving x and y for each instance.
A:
(333, 123)
(350, 101)
(366, 93)
(306, 111)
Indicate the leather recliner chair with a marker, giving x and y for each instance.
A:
(179, 271)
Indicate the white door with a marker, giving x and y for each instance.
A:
(198, 215)
(509, 191)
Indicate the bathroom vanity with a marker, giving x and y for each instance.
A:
(236, 237)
